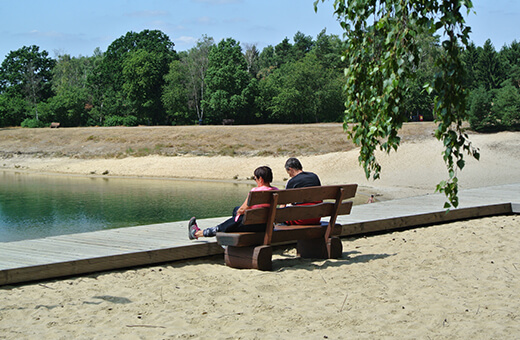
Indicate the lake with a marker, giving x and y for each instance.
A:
(36, 206)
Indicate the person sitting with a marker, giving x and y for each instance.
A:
(301, 179)
(263, 176)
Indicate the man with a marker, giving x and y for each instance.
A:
(301, 179)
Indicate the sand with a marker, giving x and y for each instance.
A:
(451, 281)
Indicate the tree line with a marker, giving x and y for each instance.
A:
(141, 79)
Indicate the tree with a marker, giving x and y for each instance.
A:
(197, 62)
(300, 90)
(381, 52)
(507, 106)
(226, 79)
(511, 54)
(480, 116)
(283, 53)
(12, 109)
(72, 102)
(176, 93)
(26, 73)
(251, 56)
(302, 45)
(470, 58)
(185, 86)
(143, 81)
(266, 61)
(328, 49)
(489, 69)
(109, 76)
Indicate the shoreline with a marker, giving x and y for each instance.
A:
(414, 170)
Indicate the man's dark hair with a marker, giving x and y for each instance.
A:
(265, 173)
(293, 163)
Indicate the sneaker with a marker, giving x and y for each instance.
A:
(192, 228)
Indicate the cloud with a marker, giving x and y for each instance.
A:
(47, 34)
(186, 40)
(147, 14)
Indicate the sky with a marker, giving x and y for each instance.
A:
(77, 28)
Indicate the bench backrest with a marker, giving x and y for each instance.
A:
(333, 197)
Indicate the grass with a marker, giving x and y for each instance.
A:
(251, 140)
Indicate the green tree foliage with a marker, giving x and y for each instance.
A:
(25, 74)
(176, 93)
(489, 69)
(302, 45)
(327, 49)
(470, 60)
(507, 106)
(495, 88)
(71, 104)
(382, 52)
(227, 79)
(196, 65)
(266, 61)
(252, 55)
(148, 53)
(511, 55)
(143, 80)
(13, 109)
(301, 92)
(294, 81)
(283, 53)
(480, 117)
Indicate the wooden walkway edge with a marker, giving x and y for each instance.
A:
(69, 255)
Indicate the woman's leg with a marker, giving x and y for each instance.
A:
(224, 226)
(232, 224)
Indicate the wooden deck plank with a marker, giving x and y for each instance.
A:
(75, 254)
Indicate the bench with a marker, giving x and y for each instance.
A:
(253, 250)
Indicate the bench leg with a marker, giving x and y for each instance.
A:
(249, 257)
(320, 249)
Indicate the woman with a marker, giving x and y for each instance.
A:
(263, 177)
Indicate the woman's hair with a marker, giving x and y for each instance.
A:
(293, 163)
(265, 173)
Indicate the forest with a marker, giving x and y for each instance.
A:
(142, 80)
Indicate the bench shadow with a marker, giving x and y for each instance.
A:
(284, 262)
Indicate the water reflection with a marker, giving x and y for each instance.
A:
(34, 206)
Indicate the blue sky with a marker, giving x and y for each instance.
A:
(78, 27)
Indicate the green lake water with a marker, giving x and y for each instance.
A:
(36, 206)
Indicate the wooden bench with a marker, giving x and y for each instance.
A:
(252, 250)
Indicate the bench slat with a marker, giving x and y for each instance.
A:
(302, 195)
(291, 213)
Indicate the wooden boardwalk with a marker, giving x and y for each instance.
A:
(75, 254)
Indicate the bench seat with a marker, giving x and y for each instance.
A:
(281, 234)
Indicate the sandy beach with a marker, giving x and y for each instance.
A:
(453, 281)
